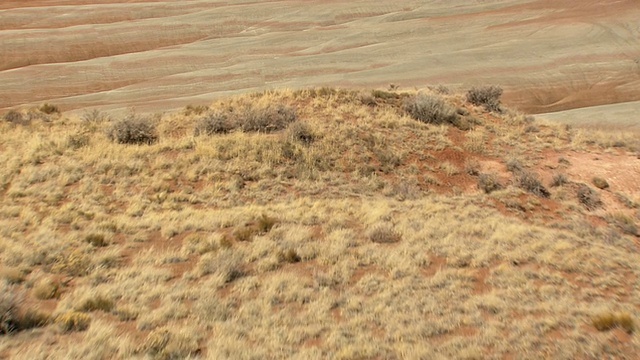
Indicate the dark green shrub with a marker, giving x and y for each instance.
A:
(486, 96)
(134, 130)
(430, 109)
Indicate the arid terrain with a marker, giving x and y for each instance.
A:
(319, 179)
(548, 55)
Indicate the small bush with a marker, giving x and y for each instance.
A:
(488, 183)
(384, 235)
(134, 130)
(608, 321)
(589, 197)
(514, 165)
(214, 123)
(599, 182)
(49, 109)
(486, 96)
(16, 117)
(559, 180)
(301, 132)
(530, 182)
(266, 119)
(430, 109)
(73, 321)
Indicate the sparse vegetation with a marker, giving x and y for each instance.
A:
(486, 96)
(216, 122)
(196, 247)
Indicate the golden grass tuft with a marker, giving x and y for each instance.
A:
(608, 321)
(73, 321)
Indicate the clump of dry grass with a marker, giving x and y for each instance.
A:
(46, 289)
(194, 110)
(12, 275)
(489, 183)
(625, 223)
(96, 303)
(73, 321)
(301, 132)
(165, 344)
(608, 321)
(96, 239)
(588, 197)
(49, 109)
(559, 180)
(486, 96)
(12, 318)
(290, 256)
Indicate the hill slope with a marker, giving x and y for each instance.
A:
(319, 223)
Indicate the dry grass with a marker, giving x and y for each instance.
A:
(353, 231)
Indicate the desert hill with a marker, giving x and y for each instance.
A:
(318, 223)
